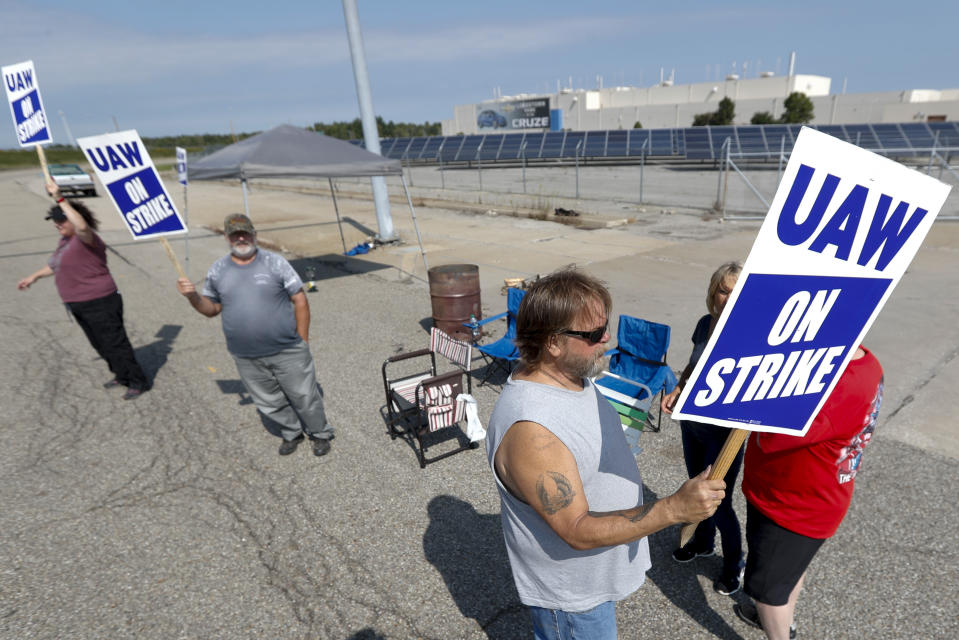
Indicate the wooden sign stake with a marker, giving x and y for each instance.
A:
(172, 257)
(726, 456)
(43, 162)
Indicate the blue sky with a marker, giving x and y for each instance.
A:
(177, 66)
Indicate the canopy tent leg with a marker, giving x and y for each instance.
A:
(415, 225)
(336, 208)
(246, 204)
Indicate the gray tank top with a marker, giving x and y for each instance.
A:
(547, 571)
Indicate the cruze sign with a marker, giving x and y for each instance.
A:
(516, 114)
(843, 227)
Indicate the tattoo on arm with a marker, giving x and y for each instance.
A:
(556, 498)
(633, 515)
(541, 442)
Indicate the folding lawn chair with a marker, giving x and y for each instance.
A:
(502, 353)
(638, 372)
(425, 401)
(631, 401)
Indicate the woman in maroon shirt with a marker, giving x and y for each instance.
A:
(79, 267)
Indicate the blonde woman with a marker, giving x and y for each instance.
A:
(701, 445)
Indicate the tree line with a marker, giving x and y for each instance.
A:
(353, 130)
(797, 109)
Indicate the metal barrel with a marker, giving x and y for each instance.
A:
(455, 295)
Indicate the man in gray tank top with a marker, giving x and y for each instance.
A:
(571, 496)
(266, 321)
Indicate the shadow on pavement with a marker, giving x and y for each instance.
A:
(467, 549)
(492, 373)
(427, 323)
(153, 356)
(332, 265)
(366, 634)
(680, 583)
(230, 387)
(359, 226)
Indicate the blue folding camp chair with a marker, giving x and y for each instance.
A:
(638, 372)
(502, 353)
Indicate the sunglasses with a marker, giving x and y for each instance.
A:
(594, 336)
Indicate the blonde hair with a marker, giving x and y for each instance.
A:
(729, 269)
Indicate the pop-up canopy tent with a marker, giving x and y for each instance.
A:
(291, 152)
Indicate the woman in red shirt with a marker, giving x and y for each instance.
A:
(79, 267)
(799, 489)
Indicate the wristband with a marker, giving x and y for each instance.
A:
(60, 199)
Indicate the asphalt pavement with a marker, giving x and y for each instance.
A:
(172, 516)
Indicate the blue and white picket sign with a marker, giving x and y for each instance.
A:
(843, 227)
(26, 107)
(181, 165)
(123, 165)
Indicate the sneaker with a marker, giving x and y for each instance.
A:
(748, 614)
(132, 394)
(728, 584)
(113, 383)
(688, 554)
(289, 446)
(321, 447)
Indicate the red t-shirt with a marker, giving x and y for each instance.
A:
(806, 484)
(80, 270)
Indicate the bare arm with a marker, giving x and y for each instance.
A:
(80, 226)
(538, 468)
(301, 309)
(33, 277)
(201, 303)
(669, 400)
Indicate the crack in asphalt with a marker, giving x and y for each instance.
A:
(326, 586)
(933, 372)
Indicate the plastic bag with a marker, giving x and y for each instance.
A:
(474, 428)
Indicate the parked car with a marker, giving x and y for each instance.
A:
(489, 118)
(72, 180)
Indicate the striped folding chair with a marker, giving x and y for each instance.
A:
(425, 401)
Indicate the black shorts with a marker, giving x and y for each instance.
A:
(776, 560)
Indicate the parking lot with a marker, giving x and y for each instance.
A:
(173, 517)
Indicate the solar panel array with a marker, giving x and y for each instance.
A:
(692, 143)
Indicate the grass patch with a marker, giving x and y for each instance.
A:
(27, 158)
(165, 159)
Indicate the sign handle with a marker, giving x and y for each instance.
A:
(43, 162)
(726, 456)
(172, 257)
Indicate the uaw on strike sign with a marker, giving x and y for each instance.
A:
(124, 167)
(23, 93)
(843, 227)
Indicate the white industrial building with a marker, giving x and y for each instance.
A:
(672, 106)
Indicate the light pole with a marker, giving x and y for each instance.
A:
(66, 126)
(370, 135)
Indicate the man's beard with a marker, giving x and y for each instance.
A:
(577, 367)
(243, 250)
